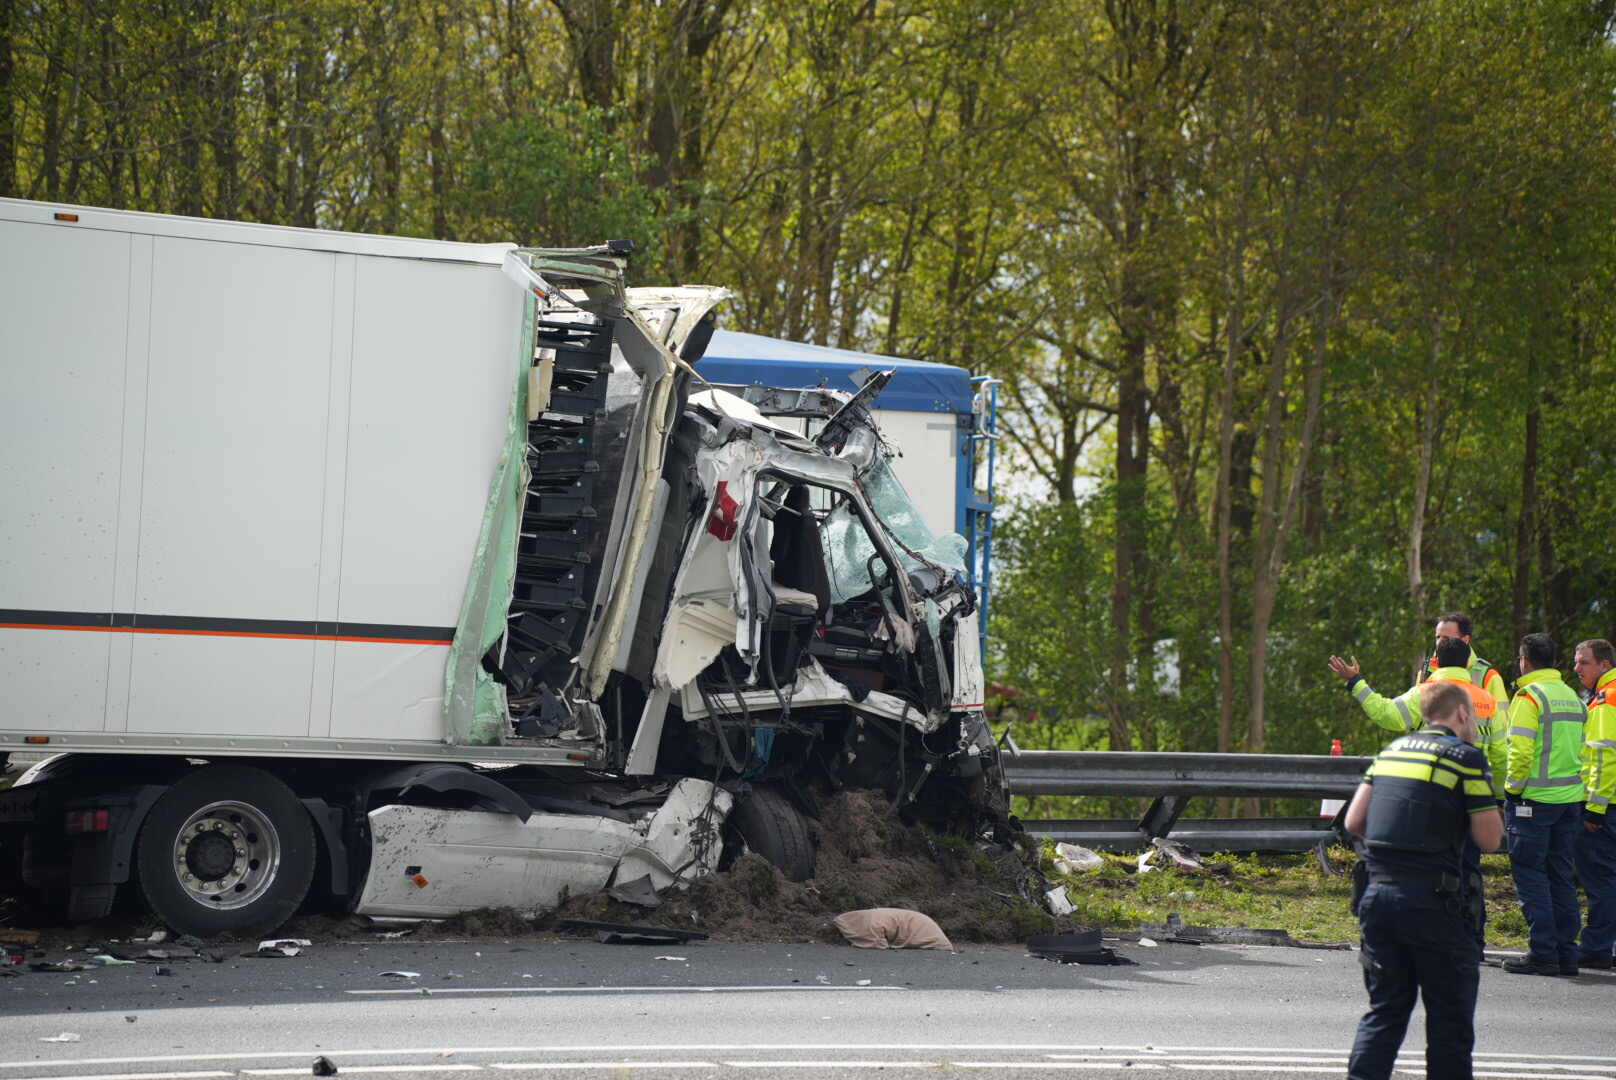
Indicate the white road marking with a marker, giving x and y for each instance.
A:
(1041, 1065)
(514, 1066)
(833, 1064)
(1556, 1075)
(1211, 1066)
(420, 992)
(135, 1076)
(304, 1071)
(1336, 1059)
(1490, 1065)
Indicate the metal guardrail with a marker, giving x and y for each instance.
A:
(1237, 835)
(1175, 778)
(1106, 772)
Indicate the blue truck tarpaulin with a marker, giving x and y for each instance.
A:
(916, 386)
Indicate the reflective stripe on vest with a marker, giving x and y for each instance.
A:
(1487, 712)
(1410, 721)
(1478, 673)
(1550, 713)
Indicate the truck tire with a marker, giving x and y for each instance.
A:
(776, 830)
(227, 850)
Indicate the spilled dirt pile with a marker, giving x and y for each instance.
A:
(867, 858)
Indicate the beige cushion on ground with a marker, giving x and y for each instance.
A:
(891, 928)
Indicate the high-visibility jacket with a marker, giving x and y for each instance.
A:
(1546, 721)
(1402, 714)
(1599, 746)
(1484, 675)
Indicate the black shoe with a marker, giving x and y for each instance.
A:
(1525, 965)
(1587, 960)
(1568, 969)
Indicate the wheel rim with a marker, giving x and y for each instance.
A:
(226, 855)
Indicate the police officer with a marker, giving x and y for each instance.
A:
(1543, 811)
(1425, 794)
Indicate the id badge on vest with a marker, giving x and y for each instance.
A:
(1523, 811)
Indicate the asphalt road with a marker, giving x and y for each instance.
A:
(549, 1008)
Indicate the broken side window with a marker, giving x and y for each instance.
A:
(848, 547)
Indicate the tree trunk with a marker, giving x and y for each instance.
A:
(436, 138)
(1279, 510)
(1128, 547)
(1527, 521)
(1430, 426)
(1225, 482)
(8, 102)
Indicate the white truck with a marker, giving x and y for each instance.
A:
(409, 577)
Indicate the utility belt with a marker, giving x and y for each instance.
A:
(1443, 884)
(1465, 888)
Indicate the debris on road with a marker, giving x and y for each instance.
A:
(639, 892)
(1080, 947)
(56, 965)
(401, 975)
(280, 947)
(323, 1066)
(1177, 931)
(627, 934)
(1073, 858)
(1057, 902)
(64, 1037)
(891, 928)
(1183, 858)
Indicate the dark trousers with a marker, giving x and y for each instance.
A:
(1416, 943)
(1540, 854)
(1596, 868)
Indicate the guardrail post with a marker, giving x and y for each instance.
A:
(1162, 815)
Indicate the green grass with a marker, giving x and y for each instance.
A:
(1258, 892)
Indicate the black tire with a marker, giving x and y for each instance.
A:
(227, 850)
(776, 830)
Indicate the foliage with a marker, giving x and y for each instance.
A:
(1301, 317)
(1256, 892)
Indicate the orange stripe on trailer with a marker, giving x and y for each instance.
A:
(227, 633)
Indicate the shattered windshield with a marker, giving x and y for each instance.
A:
(848, 548)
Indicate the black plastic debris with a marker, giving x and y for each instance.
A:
(619, 934)
(1078, 947)
(1177, 930)
(56, 965)
(323, 1066)
(639, 892)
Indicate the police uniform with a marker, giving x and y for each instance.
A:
(1419, 935)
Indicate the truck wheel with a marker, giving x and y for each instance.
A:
(226, 850)
(776, 830)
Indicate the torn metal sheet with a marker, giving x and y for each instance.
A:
(815, 686)
(435, 863)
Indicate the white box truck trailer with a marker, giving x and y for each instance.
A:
(412, 577)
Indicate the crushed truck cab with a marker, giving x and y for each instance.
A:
(409, 577)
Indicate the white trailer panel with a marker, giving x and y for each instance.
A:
(246, 471)
(433, 342)
(233, 478)
(65, 297)
(184, 684)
